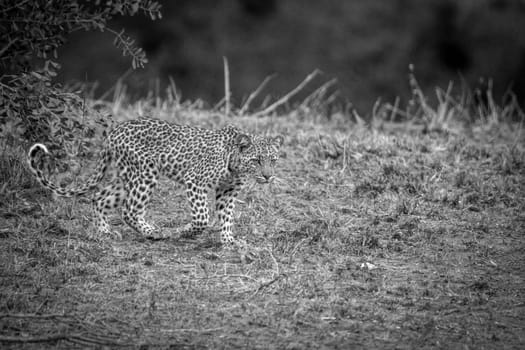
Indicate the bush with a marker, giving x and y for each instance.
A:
(31, 106)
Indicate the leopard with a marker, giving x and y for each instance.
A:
(142, 150)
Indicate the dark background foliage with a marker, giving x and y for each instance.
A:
(366, 45)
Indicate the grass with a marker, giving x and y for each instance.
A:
(376, 235)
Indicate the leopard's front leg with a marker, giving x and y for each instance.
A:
(225, 197)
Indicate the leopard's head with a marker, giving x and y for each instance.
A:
(255, 156)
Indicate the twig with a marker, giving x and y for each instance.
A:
(119, 81)
(224, 276)
(277, 275)
(375, 108)
(319, 93)
(14, 6)
(267, 284)
(227, 92)
(218, 105)
(394, 109)
(171, 91)
(294, 250)
(94, 340)
(88, 334)
(4, 49)
(4, 86)
(31, 315)
(75, 338)
(286, 97)
(40, 339)
(254, 94)
(196, 330)
(277, 270)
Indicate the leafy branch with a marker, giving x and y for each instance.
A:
(31, 106)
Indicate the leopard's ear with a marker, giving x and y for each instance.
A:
(277, 141)
(242, 141)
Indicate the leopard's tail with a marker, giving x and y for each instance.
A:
(91, 183)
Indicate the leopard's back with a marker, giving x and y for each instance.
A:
(172, 148)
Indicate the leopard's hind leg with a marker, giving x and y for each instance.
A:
(109, 198)
(140, 188)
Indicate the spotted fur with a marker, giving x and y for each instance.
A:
(201, 159)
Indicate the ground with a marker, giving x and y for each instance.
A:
(373, 236)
